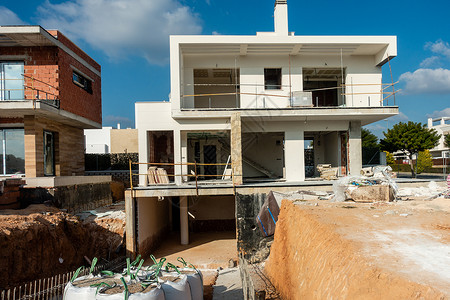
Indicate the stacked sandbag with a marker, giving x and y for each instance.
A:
(136, 282)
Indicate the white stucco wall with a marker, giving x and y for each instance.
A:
(97, 140)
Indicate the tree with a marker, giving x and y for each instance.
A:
(409, 138)
(447, 140)
(390, 161)
(370, 147)
(424, 161)
(368, 139)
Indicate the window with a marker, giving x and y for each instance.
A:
(82, 82)
(12, 151)
(49, 154)
(272, 79)
(11, 81)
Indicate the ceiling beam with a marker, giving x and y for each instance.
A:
(243, 50)
(296, 49)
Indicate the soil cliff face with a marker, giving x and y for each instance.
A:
(40, 242)
(311, 259)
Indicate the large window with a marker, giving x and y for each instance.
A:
(11, 81)
(12, 151)
(82, 81)
(272, 79)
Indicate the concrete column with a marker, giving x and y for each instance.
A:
(294, 153)
(184, 154)
(177, 155)
(236, 148)
(143, 156)
(354, 148)
(184, 224)
(130, 223)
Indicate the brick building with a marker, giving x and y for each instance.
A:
(50, 91)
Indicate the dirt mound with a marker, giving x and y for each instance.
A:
(42, 241)
(331, 251)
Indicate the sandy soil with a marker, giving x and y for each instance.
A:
(41, 241)
(396, 250)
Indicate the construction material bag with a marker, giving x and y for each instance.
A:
(194, 277)
(268, 215)
(175, 286)
(132, 291)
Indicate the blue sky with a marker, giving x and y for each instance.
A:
(129, 38)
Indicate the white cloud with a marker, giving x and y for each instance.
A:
(215, 33)
(439, 47)
(432, 61)
(121, 28)
(8, 17)
(430, 81)
(113, 120)
(401, 117)
(440, 113)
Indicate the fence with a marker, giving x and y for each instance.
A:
(52, 288)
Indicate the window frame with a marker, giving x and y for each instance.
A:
(277, 77)
(82, 81)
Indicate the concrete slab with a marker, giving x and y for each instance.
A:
(228, 285)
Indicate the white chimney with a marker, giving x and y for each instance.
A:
(281, 17)
(118, 125)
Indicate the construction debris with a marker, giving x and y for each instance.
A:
(327, 172)
(378, 187)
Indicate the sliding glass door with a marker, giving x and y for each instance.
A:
(11, 81)
(12, 152)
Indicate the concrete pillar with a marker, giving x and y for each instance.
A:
(130, 223)
(177, 155)
(143, 135)
(184, 154)
(236, 148)
(294, 153)
(184, 224)
(354, 148)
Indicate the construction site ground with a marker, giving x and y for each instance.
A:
(42, 241)
(210, 252)
(348, 250)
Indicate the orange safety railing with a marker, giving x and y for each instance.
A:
(195, 174)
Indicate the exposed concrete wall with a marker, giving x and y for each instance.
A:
(74, 198)
(251, 243)
(212, 213)
(354, 148)
(152, 223)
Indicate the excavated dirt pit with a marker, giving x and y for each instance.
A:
(42, 241)
(395, 250)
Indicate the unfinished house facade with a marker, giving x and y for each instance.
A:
(442, 126)
(50, 91)
(255, 111)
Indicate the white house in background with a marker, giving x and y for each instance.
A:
(98, 141)
(442, 126)
(260, 99)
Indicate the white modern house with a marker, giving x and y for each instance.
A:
(265, 109)
(442, 126)
(260, 99)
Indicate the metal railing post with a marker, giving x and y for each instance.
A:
(196, 180)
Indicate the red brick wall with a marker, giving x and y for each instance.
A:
(49, 70)
(74, 98)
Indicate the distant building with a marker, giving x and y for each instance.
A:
(442, 126)
(50, 91)
(110, 140)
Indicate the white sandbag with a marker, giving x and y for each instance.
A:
(73, 292)
(151, 293)
(195, 279)
(175, 286)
